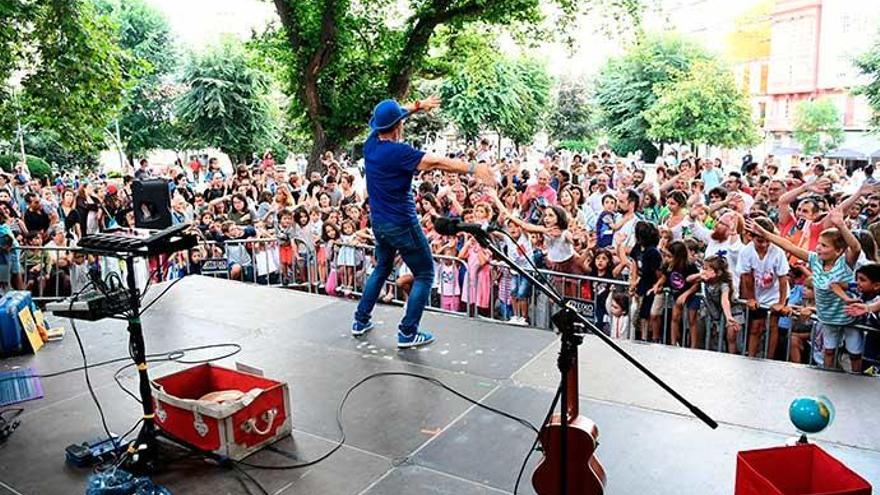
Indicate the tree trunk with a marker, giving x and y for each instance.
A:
(319, 146)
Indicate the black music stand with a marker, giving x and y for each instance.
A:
(572, 325)
(143, 454)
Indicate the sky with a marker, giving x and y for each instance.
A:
(199, 23)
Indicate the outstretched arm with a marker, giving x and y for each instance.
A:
(784, 203)
(797, 251)
(864, 189)
(853, 247)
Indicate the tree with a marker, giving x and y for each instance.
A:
(572, 117)
(817, 126)
(339, 58)
(70, 71)
(146, 118)
(628, 86)
(869, 64)
(508, 96)
(704, 106)
(225, 104)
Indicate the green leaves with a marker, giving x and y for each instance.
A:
(70, 67)
(146, 119)
(338, 58)
(869, 64)
(818, 126)
(703, 106)
(573, 115)
(225, 104)
(629, 85)
(509, 96)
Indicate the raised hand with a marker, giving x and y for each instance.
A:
(836, 217)
(755, 229)
(856, 309)
(485, 174)
(430, 103)
(821, 185)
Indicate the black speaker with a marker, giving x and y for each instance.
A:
(151, 201)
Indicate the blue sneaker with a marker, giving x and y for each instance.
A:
(358, 328)
(415, 340)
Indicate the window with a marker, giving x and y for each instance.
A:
(765, 68)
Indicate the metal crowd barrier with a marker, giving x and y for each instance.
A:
(52, 273)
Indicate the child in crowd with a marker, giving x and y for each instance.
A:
(477, 287)
(763, 270)
(832, 263)
(326, 250)
(285, 233)
(560, 255)
(346, 256)
(646, 277)
(718, 296)
(798, 318)
(238, 258)
(450, 288)
(605, 222)
(866, 310)
(601, 267)
(196, 256)
(520, 291)
(618, 307)
(681, 277)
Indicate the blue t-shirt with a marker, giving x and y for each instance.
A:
(389, 168)
(605, 230)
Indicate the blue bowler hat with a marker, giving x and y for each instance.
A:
(386, 115)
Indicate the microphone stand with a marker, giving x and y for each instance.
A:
(571, 326)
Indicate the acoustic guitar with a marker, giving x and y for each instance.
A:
(584, 473)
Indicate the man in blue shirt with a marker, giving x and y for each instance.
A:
(389, 166)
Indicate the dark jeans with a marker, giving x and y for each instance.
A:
(409, 241)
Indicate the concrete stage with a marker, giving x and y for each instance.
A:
(405, 436)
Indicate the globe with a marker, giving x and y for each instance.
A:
(811, 414)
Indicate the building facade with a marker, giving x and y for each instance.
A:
(812, 47)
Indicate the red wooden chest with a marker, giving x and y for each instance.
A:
(234, 429)
(796, 470)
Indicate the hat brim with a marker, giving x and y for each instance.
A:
(374, 125)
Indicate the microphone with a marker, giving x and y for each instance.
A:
(451, 226)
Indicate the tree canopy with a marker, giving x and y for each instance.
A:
(225, 104)
(704, 106)
(817, 126)
(508, 96)
(70, 69)
(572, 117)
(869, 64)
(340, 57)
(629, 85)
(146, 117)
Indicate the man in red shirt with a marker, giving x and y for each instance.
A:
(540, 189)
(804, 225)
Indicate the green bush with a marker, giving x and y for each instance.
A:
(38, 167)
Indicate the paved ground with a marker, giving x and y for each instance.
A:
(408, 437)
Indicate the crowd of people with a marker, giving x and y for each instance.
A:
(756, 258)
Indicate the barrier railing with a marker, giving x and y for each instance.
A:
(52, 273)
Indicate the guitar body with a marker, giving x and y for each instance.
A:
(585, 474)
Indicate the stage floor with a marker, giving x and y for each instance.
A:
(405, 436)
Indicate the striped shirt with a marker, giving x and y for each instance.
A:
(829, 307)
